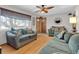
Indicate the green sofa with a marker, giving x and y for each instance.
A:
(70, 45)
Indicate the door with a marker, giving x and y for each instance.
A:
(41, 25)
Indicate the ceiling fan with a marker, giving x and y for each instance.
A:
(44, 8)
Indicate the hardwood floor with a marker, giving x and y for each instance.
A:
(31, 48)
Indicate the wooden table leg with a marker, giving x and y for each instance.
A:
(0, 50)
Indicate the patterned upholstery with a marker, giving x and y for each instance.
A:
(54, 30)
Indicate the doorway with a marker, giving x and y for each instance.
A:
(41, 24)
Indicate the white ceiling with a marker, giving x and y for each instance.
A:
(58, 9)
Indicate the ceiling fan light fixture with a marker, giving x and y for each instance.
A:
(46, 10)
(42, 11)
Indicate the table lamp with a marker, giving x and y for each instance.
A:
(73, 21)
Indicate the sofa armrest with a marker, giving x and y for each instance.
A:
(10, 34)
(12, 39)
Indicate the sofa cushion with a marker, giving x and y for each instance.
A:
(67, 37)
(23, 31)
(13, 32)
(51, 50)
(27, 31)
(27, 35)
(74, 43)
(63, 41)
(55, 46)
(30, 31)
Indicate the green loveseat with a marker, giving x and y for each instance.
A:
(54, 30)
(20, 37)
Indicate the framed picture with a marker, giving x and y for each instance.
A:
(58, 20)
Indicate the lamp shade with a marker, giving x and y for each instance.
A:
(73, 20)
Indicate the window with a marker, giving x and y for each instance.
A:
(11, 19)
(21, 23)
(7, 22)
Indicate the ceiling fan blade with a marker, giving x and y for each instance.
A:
(38, 6)
(37, 11)
(50, 7)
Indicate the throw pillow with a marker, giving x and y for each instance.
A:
(23, 31)
(61, 35)
(67, 37)
(18, 33)
(12, 29)
(29, 31)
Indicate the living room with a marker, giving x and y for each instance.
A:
(36, 27)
